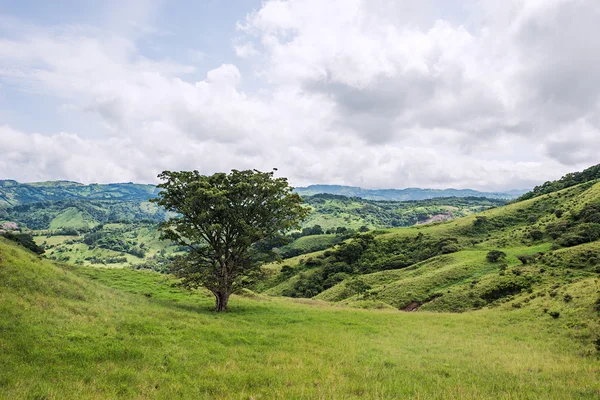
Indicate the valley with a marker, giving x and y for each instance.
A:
(502, 301)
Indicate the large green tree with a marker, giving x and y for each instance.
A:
(219, 217)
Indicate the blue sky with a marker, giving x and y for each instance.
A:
(485, 94)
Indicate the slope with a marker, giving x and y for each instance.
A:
(64, 333)
(549, 260)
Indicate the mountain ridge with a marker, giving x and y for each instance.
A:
(13, 193)
(405, 194)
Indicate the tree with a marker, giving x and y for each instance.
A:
(219, 218)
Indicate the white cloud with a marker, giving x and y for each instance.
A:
(373, 93)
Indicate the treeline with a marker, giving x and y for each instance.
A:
(285, 246)
(566, 181)
(25, 240)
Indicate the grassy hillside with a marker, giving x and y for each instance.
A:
(13, 193)
(330, 211)
(550, 264)
(78, 332)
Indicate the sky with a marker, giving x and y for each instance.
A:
(482, 94)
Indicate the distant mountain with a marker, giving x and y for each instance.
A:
(403, 194)
(13, 193)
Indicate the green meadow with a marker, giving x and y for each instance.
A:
(81, 332)
(505, 305)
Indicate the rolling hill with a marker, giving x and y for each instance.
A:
(505, 304)
(122, 215)
(548, 252)
(13, 193)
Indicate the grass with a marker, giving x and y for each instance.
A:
(72, 218)
(80, 332)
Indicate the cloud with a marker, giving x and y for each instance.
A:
(372, 93)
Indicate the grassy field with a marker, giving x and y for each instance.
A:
(80, 332)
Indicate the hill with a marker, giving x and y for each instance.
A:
(547, 252)
(127, 222)
(331, 211)
(82, 333)
(402, 194)
(13, 193)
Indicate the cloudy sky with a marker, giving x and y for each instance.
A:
(484, 94)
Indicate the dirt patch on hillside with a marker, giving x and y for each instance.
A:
(414, 306)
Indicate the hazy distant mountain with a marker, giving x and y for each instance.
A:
(13, 193)
(403, 194)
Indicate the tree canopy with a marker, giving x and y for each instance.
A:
(219, 217)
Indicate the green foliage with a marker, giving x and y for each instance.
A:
(25, 240)
(495, 256)
(123, 334)
(526, 258)
(582, 233)
(409, 194)
(536, 234)
(358, 286)
(82, 215)
(220, 217)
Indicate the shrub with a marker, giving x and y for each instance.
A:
(559, 213)
(495, 255)
(554, 314)
(312, 262)
(536, 234)
(567, 298)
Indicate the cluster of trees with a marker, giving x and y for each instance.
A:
(362, 255)
(580, 227)
(111, 241)
(25, 240)
(282, 246)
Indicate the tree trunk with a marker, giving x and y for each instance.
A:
(222, 300)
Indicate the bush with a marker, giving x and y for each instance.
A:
(536, 234)
(495, 256)
(559, 213)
